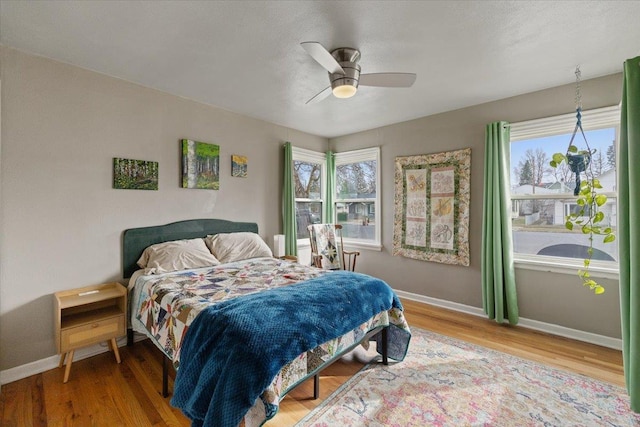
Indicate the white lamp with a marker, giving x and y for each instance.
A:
(278, 245)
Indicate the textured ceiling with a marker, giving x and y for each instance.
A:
(245, 56)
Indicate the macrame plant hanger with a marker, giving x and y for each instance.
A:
(578, 161)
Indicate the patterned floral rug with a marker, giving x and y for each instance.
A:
(447, 382)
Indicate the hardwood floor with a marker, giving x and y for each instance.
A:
(103, 393)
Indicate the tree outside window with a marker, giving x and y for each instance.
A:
(309, 171)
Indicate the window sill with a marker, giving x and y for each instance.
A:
(362, 245)
(304, 244)
(604, 270)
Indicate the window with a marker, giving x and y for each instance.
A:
(542, 196)
(357, 202)
(309, 175)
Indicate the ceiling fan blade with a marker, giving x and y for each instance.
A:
(320, 96)
(387, 79)
(322, 56)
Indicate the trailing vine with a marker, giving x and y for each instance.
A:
(589, 218)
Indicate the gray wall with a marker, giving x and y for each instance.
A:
(61, 221)
(553, 298)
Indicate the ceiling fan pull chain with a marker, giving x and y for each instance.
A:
(581, 161)
(578, 94)
(578, 100)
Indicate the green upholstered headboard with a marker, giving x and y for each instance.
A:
(136, 240)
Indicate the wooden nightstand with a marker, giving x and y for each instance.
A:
(89, 315)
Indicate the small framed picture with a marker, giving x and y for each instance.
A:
(238, 166)
(200, 165)
(132, 174)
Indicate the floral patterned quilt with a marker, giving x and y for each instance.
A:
(163, 307)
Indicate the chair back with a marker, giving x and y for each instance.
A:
(326, 246)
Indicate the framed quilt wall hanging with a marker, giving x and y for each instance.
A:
(431, 220)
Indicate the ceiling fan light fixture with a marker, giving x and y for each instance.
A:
(344, 91)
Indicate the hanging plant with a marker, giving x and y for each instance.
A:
(589, 218)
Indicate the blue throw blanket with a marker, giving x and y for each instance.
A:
(233, 350)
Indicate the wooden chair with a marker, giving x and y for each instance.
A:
(327, 249)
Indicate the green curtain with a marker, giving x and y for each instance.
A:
(289, 204)
(628, 229)
(329, 208)
(499, 297)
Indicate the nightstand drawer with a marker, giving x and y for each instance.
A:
(100, 330)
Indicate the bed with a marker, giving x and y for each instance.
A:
(242, 332)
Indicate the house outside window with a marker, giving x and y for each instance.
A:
(357, 200)
(542, 197)
(309, 174)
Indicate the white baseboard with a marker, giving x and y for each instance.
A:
(24, 371)
(604, 341)
(46, 364)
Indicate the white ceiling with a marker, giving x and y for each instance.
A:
(245, 56)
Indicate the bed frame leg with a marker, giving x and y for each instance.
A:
(129, 337)
(385, 346)
(165, 376)
(316, 386)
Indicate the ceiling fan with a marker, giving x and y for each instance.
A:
(344, 72)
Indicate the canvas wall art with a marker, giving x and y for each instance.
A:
(239, 166)
(431, 221)
(200, 165)
(132, 174)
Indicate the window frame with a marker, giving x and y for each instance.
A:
(355, 156)
(310, 156)
(599, 118)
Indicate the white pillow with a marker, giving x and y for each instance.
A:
(230, 247)
(176, 255)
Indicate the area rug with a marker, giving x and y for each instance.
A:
(448, 382)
